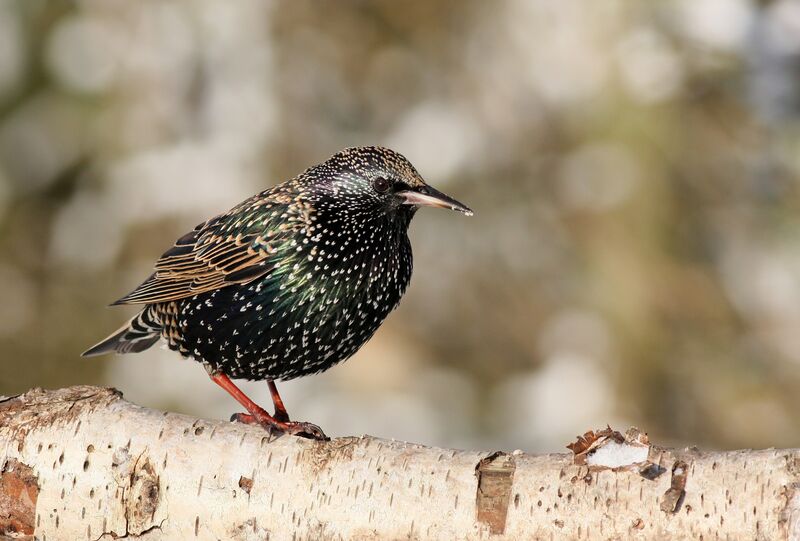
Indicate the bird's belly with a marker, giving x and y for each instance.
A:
(244, 336)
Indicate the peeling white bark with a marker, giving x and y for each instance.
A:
(81, 463)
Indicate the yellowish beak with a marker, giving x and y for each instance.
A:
(425, 196)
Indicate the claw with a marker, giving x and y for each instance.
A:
(244, 418)
(304, 430)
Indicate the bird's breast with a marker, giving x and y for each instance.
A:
(314, 310)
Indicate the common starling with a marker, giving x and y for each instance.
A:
(289, 282)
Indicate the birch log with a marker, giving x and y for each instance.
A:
(82, 463)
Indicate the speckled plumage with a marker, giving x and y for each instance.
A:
(291, 281)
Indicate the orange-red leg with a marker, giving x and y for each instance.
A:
(280, 410)
(257, 414)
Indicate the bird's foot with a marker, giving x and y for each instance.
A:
(303, 430)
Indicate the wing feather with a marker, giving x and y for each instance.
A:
(215, 255)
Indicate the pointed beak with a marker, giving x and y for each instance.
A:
(425, 196)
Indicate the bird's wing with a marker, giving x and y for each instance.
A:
(234, 248)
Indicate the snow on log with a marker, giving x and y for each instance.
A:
(82, 463)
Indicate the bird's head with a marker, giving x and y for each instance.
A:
(383, 180)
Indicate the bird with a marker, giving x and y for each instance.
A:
(289, 282)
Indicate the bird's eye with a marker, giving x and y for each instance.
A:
(381, 184)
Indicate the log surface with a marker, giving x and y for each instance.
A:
(82, 463)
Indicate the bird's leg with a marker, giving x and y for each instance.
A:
(257, 414)
(280, 410)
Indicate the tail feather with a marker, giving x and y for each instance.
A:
(137, 335)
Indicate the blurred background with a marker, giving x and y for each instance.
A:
(634, 167)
